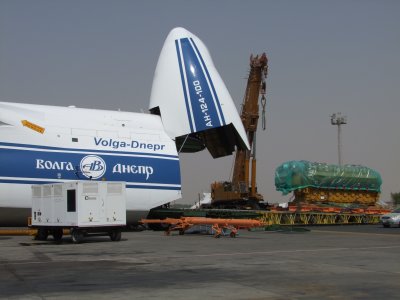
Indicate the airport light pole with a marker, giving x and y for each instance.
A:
(338, 120)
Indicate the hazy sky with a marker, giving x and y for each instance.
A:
(324, 57)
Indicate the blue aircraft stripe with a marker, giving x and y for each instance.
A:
(22, 163)
(184, 86)
(203, 104)
(211, 82)
(128, 186)
(85, 150)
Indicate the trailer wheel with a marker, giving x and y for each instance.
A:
(76, 236)
(115, 235)
(57, 234)
(42, 234)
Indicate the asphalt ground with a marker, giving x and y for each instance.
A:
(327, 262)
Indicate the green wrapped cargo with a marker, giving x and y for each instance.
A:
(294, 175)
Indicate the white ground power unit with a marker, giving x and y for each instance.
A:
(84, 207)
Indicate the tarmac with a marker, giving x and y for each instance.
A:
(326, 262)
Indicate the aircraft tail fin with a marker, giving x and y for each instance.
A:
(195, 106)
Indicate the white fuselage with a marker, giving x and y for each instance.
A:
(44, 144)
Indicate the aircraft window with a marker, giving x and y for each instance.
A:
(75, 140)
(71, 201)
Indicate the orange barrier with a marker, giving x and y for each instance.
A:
(218, 225)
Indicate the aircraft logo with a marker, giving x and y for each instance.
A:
(93, 166)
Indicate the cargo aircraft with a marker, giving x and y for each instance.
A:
(190, 110)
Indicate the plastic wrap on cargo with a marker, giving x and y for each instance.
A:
(293, 175)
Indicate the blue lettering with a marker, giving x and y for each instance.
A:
(134, 144)
(115, 144)
(97, 141)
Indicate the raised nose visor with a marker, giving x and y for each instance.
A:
(195, 107)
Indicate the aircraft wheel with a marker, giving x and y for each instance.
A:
(42, 234)
(76, 236)
(57, 234)
(115, 235)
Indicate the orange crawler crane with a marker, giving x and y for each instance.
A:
(241, 192)
(218, 225)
